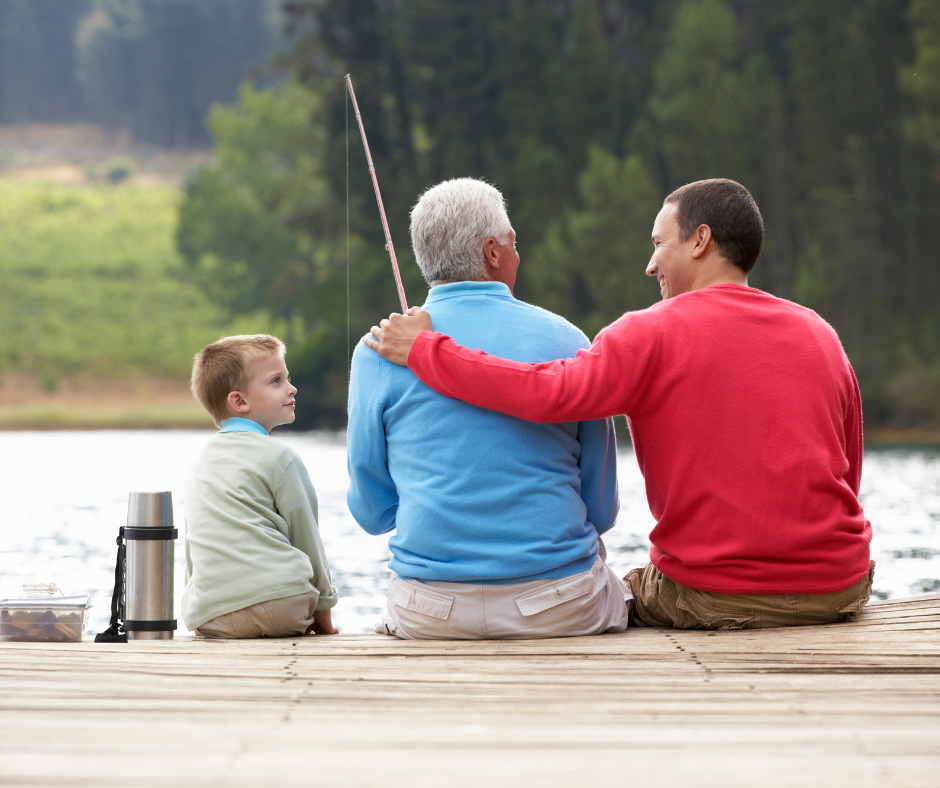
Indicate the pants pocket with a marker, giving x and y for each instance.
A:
(418, 613)
(420, 600)
(699, 610)
(554, 593)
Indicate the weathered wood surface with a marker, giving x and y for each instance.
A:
(853, 704)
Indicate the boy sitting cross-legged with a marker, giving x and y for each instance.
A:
(255, 564)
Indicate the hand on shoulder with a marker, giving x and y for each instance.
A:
(392, 338)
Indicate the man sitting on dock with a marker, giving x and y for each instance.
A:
(497, 520)
(745, 415)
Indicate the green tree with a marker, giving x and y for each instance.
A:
(590, 265)
(262, 229)
(238, 222)
(37, 60)
(921, 79)
(718, 113)
(155, 67)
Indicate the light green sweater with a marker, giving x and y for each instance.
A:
(251, 529)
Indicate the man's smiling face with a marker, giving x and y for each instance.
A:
(672, 263)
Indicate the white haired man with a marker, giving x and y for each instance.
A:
(497, 520)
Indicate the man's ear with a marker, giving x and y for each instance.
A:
(491, 253)
(237, 402)
(703, 237)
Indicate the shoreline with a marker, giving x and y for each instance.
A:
(96, 403)
(185, 416)
(166, 404)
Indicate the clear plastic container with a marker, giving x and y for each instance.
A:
(52, 619)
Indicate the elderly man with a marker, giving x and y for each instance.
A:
(745, 415)
(497, 520)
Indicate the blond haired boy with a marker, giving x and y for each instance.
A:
(255, 564)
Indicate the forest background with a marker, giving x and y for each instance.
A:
(202, 189)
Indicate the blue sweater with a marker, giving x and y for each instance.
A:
(476, 496)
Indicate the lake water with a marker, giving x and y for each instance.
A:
(63, 496)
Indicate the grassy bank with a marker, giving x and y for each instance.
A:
(88, 403)
(131, 416)
(885, 438)
(93, 287)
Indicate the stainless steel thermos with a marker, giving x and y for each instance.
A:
(150, 538)
(142, 602)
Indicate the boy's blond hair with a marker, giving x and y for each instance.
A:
(225, 366)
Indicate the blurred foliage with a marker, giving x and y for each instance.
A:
(584, 113)
(578, 269)
(92, 285)
(152, 67)
(263, 228)
(38, 60)
(921, 79)
(237, 224)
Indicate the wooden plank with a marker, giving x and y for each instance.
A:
(853, 703)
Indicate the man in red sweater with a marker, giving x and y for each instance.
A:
(745, 416)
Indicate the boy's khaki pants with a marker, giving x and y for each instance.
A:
(290, 615)
(661, 602)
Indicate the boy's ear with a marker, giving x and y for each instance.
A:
(237, 402)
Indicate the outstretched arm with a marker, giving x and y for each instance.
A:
(603, 381)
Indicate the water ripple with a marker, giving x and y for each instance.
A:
(63, 495)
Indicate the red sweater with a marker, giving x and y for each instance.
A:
(747, 424)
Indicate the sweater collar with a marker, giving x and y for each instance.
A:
(238, 424)
(451, 289)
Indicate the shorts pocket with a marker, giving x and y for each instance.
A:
(553, 593)
(420, 600)
(701, 610)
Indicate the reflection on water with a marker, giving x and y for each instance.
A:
(63, 495)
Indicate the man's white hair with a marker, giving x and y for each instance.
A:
(449, 225)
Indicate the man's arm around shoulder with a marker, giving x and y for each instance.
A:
(603, 381)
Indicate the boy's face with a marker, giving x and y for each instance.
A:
(269, 397)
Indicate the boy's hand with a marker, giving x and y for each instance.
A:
(322, 624)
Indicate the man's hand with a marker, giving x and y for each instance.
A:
(393, 338)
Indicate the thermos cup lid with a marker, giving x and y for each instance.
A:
(150, 510)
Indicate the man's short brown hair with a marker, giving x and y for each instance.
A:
(731, 213)
(225, 366)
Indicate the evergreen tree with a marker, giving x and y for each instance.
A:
(156, 66)
(37, 60)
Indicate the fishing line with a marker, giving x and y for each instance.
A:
(348, 355)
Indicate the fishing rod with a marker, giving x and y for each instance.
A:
(378, 198)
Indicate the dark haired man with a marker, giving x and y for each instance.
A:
(745, 416)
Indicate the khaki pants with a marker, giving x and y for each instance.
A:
(587, 603)
(661, 602)
(290, 615)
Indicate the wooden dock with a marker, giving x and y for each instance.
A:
(852, 704)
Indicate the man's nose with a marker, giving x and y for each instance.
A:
(652, 269)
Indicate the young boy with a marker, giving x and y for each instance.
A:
(255, 565)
